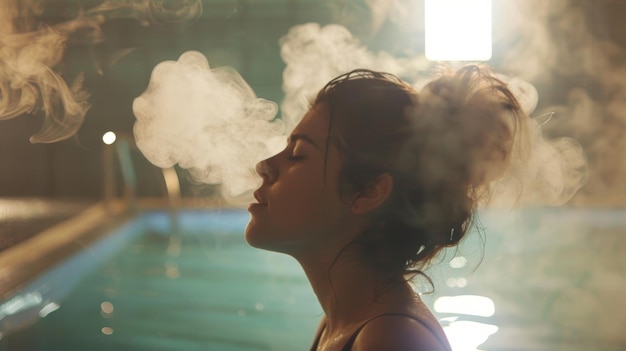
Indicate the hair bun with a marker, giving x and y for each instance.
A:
(474, 121)
(470, 120)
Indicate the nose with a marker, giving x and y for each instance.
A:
(267, 173)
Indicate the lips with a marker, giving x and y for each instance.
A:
(261, 202)
(259, 198)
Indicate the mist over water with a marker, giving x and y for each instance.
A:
(31, 81)
(208, 121)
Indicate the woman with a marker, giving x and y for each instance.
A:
(375, 180)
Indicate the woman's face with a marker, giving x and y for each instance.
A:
(299, 207)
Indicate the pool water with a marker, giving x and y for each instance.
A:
(548, 280)
(211, 292)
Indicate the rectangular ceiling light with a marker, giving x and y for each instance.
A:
(458, 30)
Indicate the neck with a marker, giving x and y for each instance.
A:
(349, 289)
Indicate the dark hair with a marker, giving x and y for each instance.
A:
(442, 146)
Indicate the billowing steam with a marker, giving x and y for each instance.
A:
(208, 121)
(30, 81)
(314, 55)
(550, 173)
(217, 149)
(559, 41)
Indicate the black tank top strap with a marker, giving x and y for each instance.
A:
(350, 342)
(317, 338)
(348, 345)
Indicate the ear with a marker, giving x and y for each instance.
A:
(374, 196)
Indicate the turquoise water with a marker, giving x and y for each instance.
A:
(548, 280)
(214, 293)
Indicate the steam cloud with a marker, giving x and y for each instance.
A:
(208, 121)
(555, 42)
(27, 81)
(555, 168)
(31, 51)
(553, 171)
(31, 82)
(314, 55)
(204, 120)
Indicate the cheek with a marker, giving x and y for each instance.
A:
(300, 210)
(293, 218)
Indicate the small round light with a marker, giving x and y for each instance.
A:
(458, 262)
(109, 138)
(107, 307)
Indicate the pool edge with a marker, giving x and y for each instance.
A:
(20, 263)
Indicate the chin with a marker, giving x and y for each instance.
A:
(256, 237)
(250, 235)
(261, 239)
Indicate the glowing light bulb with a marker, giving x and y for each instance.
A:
(458, 30)
(109, 138)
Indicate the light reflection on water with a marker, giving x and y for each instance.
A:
(47, 309)
(107, 307)
(466, 304)
(466, 335)
(550, 274)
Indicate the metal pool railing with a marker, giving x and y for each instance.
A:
(123, 148)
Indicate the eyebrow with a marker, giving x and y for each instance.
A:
(295, 137)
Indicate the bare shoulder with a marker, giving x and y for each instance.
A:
(397, 333)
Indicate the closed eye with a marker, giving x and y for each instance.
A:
(295, 153)
(296, 157)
